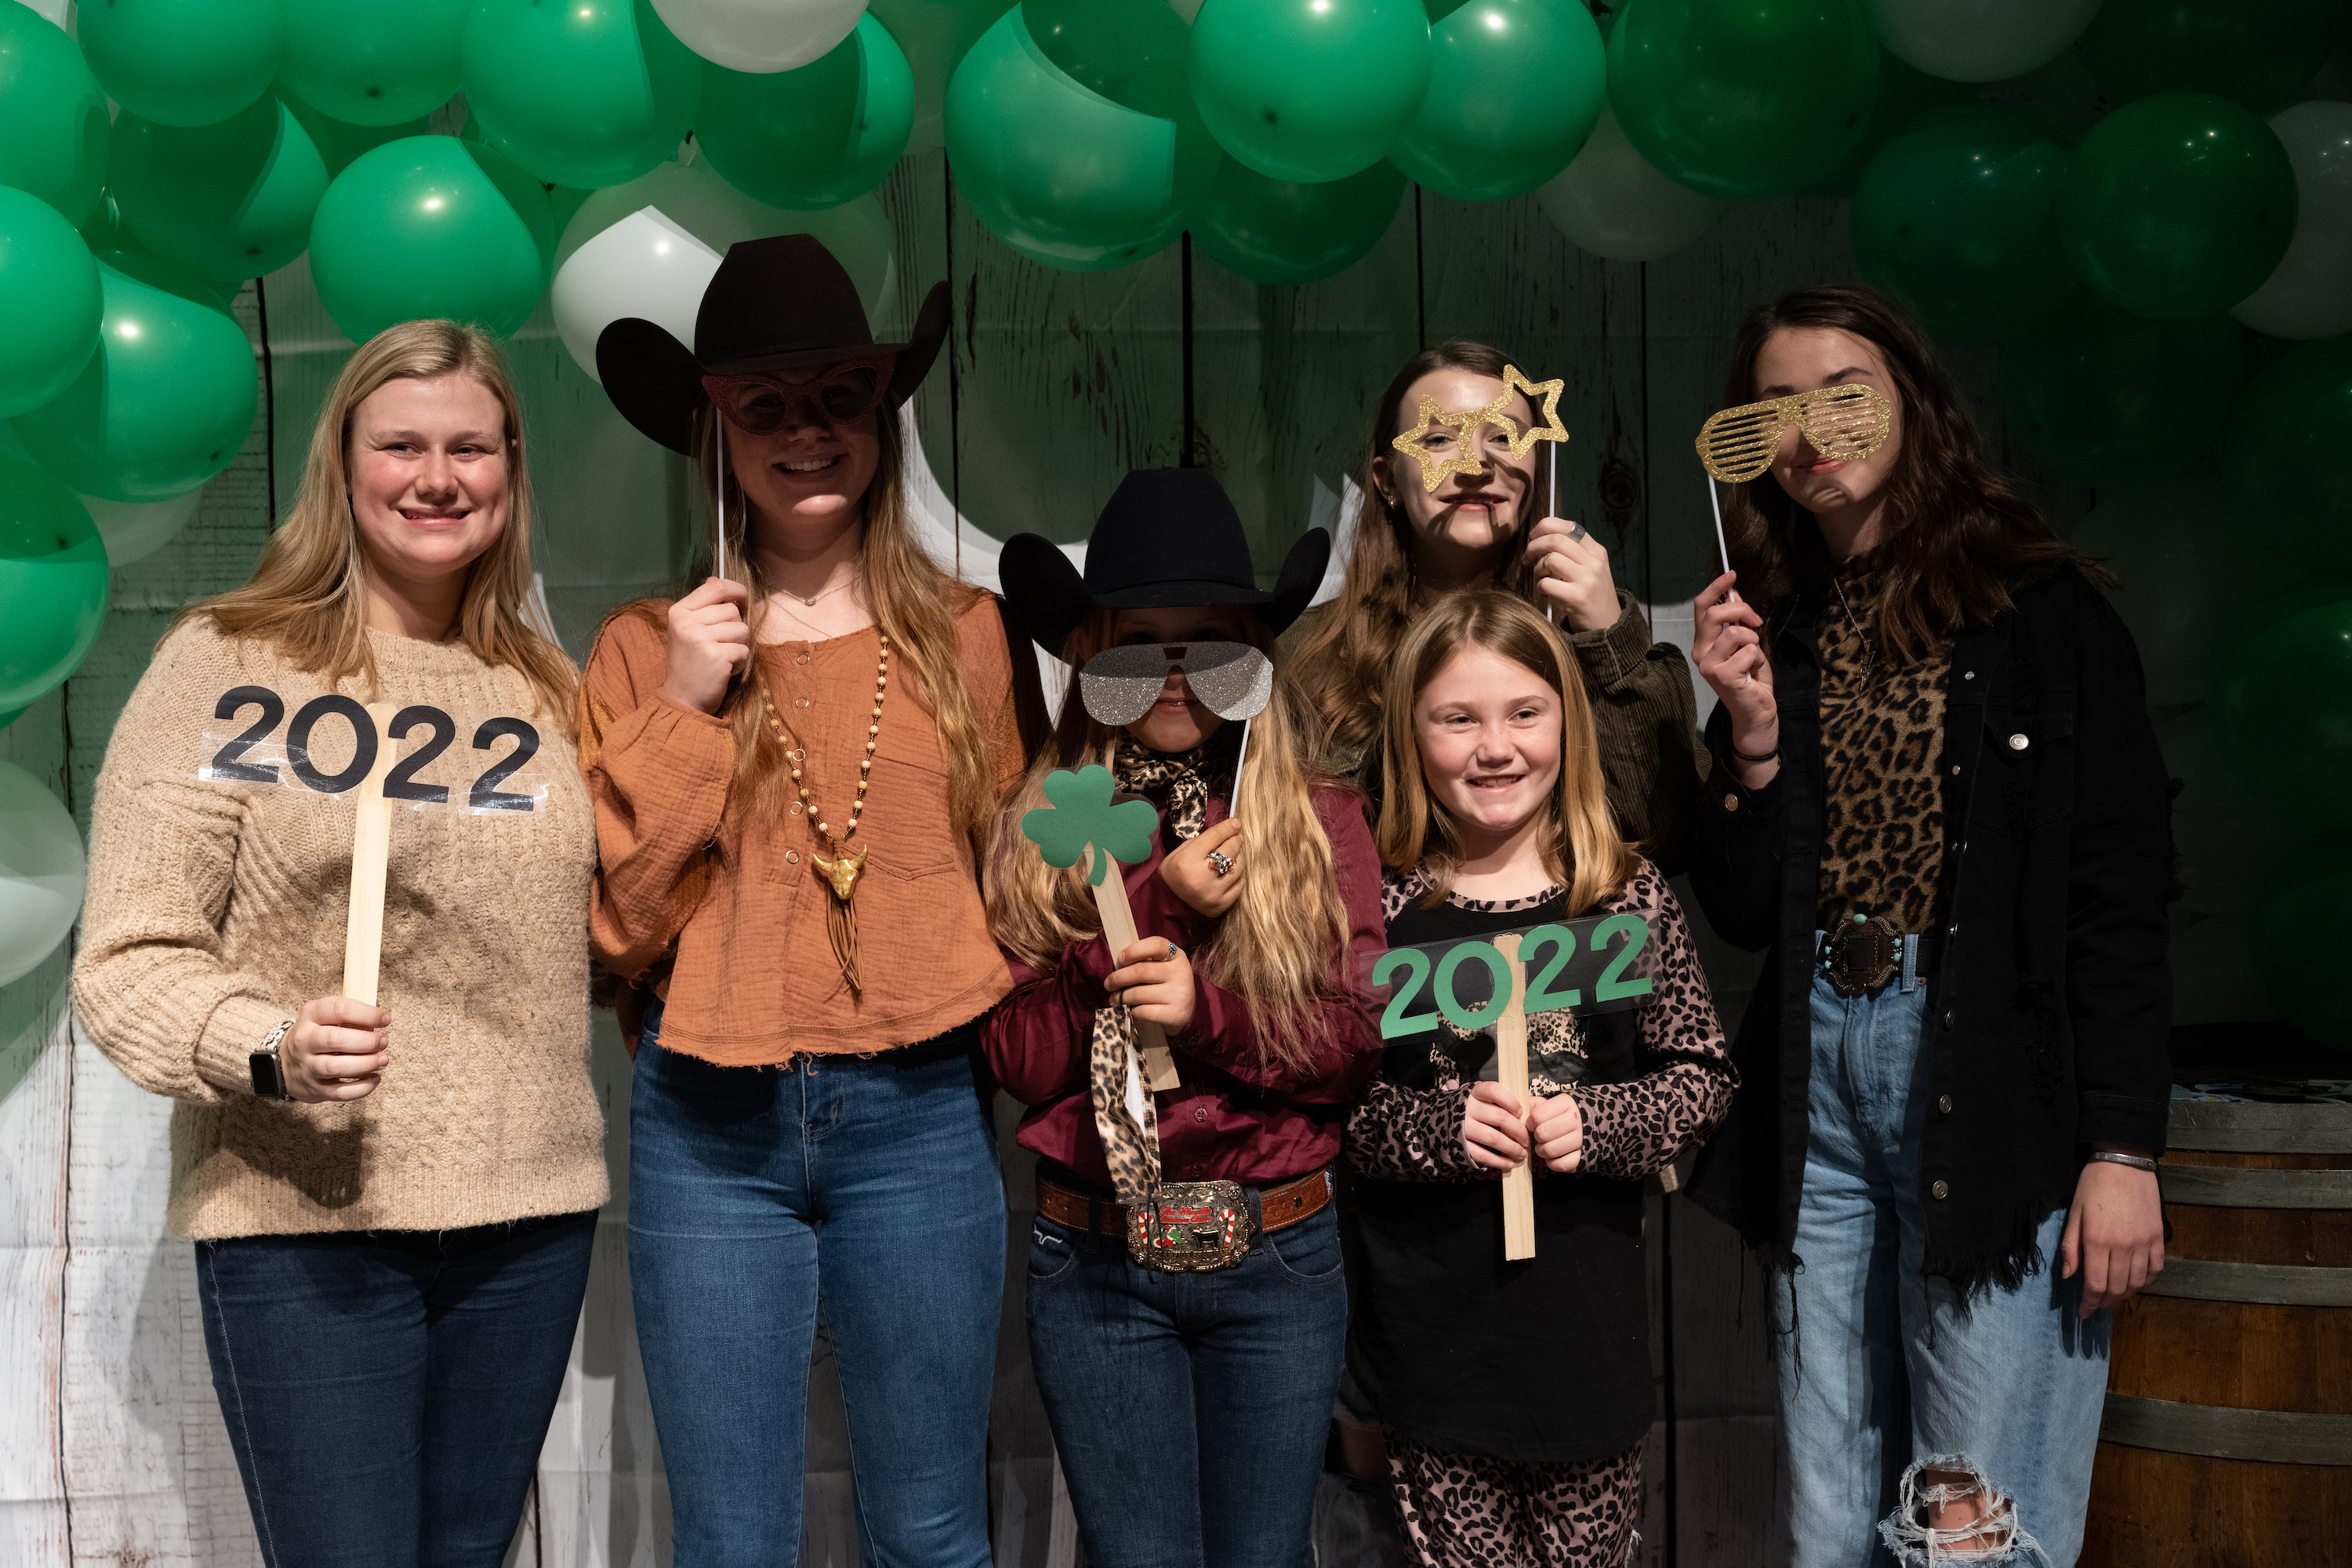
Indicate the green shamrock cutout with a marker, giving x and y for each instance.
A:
(1082, 814)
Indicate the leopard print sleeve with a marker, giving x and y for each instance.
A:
(1645, 1123)
(1399, 1134)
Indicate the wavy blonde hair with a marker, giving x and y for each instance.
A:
(307, 599)
(1583, 849)
(1278, 947)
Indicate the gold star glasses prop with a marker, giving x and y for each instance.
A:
(1434, 469)
(1843, 423)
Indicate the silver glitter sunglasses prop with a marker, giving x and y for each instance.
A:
(1231, 679)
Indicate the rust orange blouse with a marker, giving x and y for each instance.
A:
(728, 925)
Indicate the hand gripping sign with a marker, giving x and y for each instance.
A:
(1598, 964)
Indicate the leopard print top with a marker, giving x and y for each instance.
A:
(1882, 744)
(1630, 1129)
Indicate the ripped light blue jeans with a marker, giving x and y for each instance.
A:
(1883, 1373)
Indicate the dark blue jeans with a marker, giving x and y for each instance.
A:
(1190, 1409)
(387, 1392)
(759, 1195)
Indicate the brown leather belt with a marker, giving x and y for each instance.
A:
(1282, 1206)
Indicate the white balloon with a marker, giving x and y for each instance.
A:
(1979, 41)
(762, 36)
(42, 872)
(2309, 293)
(1614, 205)
(136, 530)
(644, 266)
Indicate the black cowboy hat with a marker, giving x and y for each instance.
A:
(1167, 537)
(779, 304)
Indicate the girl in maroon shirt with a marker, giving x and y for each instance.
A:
(1187, 1314)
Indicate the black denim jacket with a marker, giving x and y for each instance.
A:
(2048, 1016)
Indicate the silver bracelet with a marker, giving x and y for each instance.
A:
(2137, 1162)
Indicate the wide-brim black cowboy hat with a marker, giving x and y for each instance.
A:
(781, 304)
(1167, 538)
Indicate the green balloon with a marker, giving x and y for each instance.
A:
(1309, 89)
(339, 142)
(173, 279)
(1060, 173)
(432, 227)
(2257, 53)
(49, 298)
(182, 62)
(373, 62)
(2287, 454)
(52, 583)
(2178, 205)
(1956, 217)
(1515, 88)
(586, 93)
(1743, 98)
(2307, 909)
(53, 121)
(1905, 94)
(1273, 231)
(2283, 703)
(935, 34)
(2108, 398)
(815, 137)
(1134, 52)
(231, 200)
(163, 405)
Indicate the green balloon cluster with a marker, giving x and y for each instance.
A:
(182, 62)
(815, 137)
(1309, 89)
(49, 297)
(163, 405)
(1743, 98)
(52, 583)
(935, 35)
(339, 142)
(1063, 173)
(586, 93)
(2178, 205)
(365, 62)
(2283, 708)
(1956, 217)
(53, 123)
(1272, 231)
(2287, 452)
(428, 226)
(1515, 88)
(2106, 398)
(2258, 53)
(230, 200)
(1905, 93)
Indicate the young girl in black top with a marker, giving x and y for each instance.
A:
(1517, 1395)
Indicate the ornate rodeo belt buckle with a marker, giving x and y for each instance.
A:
(1862, 955)
(1190, 1227)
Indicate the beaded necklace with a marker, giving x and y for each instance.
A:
(841, 869)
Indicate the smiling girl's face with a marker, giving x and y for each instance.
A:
(1177, 722)
(808, 474)
(428, 465)
(1489, 730)
(1805, 359)
(1461, 529)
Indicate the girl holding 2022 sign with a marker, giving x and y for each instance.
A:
(393, 1205)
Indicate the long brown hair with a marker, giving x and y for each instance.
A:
(1278, 947)
(1583, 849)
(1960, 535)
(307, 599)
(1343, 661)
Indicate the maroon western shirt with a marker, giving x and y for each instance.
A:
(1240, 1115)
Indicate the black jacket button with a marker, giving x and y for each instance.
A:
(1940, 1190)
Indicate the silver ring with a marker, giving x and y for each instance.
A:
(1221, 863)
(1577, 532)
(1170, 958)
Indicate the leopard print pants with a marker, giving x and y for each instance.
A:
(1464, 1511)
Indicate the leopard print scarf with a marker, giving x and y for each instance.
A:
(1131, 1144)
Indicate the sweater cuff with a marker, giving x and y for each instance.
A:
(2123, 1119)
(1613, 653)
(225, 1046)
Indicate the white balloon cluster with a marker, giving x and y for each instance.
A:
(2309, 293)
(1979, 41)
(1614, 205)
(761, 36)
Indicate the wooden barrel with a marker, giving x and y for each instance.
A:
(2227, 1441)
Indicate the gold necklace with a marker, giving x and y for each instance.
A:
(1869, 654)
(841, 871)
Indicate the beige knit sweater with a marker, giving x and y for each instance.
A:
(217, 908)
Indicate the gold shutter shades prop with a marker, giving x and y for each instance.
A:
(1845, 424)
(1413, 443)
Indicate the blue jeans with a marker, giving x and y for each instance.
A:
(756, 1195)
(1190, 1410)
(387, 1392)
(1883, 1373)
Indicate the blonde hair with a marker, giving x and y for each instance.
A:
(1277, 947)
(1583, 849)
(308, 598)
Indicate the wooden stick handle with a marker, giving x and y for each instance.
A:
(1511, 1072)
(371, 849)
(1119, 930)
